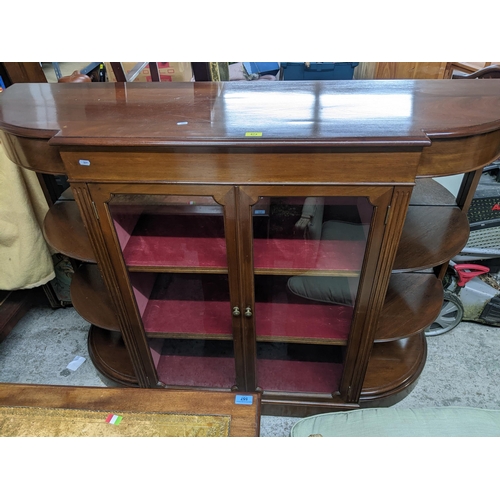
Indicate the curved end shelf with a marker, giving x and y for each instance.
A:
(393, 369)
(91, 299)
(431, 235)
(427, 192)
(64, 230)
(109, 355)
(413, 301)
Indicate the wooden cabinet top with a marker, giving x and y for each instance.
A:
(241, 114)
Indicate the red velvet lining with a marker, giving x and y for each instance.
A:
(268, 254)
(272, 375)
(298, 376)
(305, 321)
(183, 316)
(197, 371)
(177, 241)
(308, 254)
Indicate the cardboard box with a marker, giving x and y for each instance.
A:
(169, 72)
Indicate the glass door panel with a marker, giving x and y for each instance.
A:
(174, 249)
(170, 231)
(308, 255)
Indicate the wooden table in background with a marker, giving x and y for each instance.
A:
(245, 419)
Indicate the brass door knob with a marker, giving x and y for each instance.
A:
(248, 312)
(236, 311)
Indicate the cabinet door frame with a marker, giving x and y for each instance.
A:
(365, 318)
(100, 196)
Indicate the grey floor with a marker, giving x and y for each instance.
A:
(462, 369)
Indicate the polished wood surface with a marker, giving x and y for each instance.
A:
(431, 235)
(298, 114)
(111, 357)
(393, 367)
(245, 419)
(412, 303)
(91, 299)
(64, 219)
(366, 139)
(427, 191)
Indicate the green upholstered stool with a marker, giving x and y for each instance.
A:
(444, 421)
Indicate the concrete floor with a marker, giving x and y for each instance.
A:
(462, 369)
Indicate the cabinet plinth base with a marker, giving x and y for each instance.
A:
(393, 371)
(110, 357)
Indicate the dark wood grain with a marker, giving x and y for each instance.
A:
(111, 358)
(412, 303)
(245, 419)
(397, 112)
(122, 298)
(14, 304)
(430, 192)
(393, 367)
(431, 236)
(91, 299)
(371, 139)
(64, 219)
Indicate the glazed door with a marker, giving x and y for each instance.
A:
(309, 257)
(176, 248)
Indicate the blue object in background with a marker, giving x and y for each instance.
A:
(318, 70)
(262, 68)
(2, 85)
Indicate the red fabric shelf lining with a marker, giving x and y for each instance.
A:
(319, 255)
(197, 371)
(298, 376)
(323, 255)
(184, 316)
(304, 321)
(175, 252)
(272, 375)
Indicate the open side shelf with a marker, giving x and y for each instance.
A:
(413, 301)
(431, 235)
(91, 299)
(393, 368)
(64, 230)
(110, 356)
(427, 192)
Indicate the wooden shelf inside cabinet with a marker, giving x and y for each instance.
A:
(91, 299)
(309, 257)
(173, 243)
(393, 368)
(298, 376)
(188, 306)
(187, 363)
(412, 303)
(110, 356)
(431, 235)
(64, 230)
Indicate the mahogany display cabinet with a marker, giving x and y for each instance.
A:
(280, 237)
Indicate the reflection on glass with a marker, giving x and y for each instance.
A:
(308, 254)
(170, 231)
(175, 252)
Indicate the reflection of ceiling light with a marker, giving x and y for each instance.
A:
(302, 106)
(365, 106)
(270, 104)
